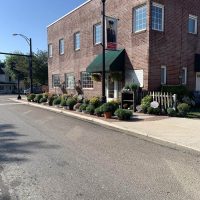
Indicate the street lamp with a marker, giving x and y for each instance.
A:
(29, 41)
(104, 48)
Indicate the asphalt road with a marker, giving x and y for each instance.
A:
(49, 156)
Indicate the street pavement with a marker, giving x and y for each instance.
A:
(46, 155)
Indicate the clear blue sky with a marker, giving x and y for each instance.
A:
(30, 18)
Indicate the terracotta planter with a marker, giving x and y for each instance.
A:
(107, 115)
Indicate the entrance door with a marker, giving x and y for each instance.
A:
(111, 88)
(198, 81)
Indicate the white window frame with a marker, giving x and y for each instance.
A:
(75, 41)
(86, 86)
(70, 84)
(195, 18)
(134, 19)
(95, 41)
(163, 16)
(50, 50)
(165, 75)
(61, 46)
(184, 73)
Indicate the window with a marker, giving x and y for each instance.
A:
(69, 81)
(157, 17)
(86, 80)
(184, 76)
(61, 46)
(140, 18)
(77, 41)
(50, 51)
(192, 24)
(1, 87)
(97, 34)
(163, 75)
(55, 80)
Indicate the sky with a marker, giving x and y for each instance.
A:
(30, 18)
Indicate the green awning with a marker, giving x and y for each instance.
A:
(114, 62)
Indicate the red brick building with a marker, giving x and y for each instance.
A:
(158, 43)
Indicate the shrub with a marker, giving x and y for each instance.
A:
(43, 100)
(115, 105)
(171, 112)
(57, 101)
(154, 111)
(38, 97)
(71, 102)
(107, 107)
(45, 95)
(31, 97)
(183, 109)
(63, 102)
(98, 111)
(86, 101)
(146, 102)
(123, 114)
(90, 109)
(83, 107)
(95, 101)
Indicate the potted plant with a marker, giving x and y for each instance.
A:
(96, 77)
(70, 102)
(107, 109)
(133, 86)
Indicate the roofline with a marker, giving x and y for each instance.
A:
(69, 13)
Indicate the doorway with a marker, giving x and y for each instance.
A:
(111, 88)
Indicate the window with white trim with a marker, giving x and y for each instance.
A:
(86, 80)
(97, 34)
(50, 51)
(192, 24)
(77, 42)
(163, 75)
(61, 47)
(55, 80)
(69, 80)
(157, 17)
(140, 18)
(184, 76)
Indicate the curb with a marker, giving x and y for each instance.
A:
(126, 131)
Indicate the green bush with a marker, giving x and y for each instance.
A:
(98, 111)
(38, 97)
(43, 100)
(153, 111)
(107, 107)
(95, 101)
(183, 109)
(71, 102)
(86, 101)
(90, 109)
(123, 114)
(145, 103)
(45, 95)
(133, 86)
(31, 97)
(63, 102)
(57, 101)
(171, 112)
(83, 107)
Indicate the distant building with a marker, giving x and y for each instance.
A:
(158, 43)
(7, 86)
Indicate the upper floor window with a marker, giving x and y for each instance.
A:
(140, 18)
(61, 46)
(69, 80)
(97, 33)
(55, 80)
(157, 17)
(192, 24)
(77, 42)
(184, 75)
(86, 80)
(163, 75)
(50, 51)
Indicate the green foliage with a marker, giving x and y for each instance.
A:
(90, 109)
(183, 109)
(83, 107)
(123, 114)
(153, 111)
(86, 101)
(31, 97)
(56, 101)
(51, 98)
(107, 107)
(133, 86)
(63, 102)
(38, 97)
(71, 102)
(180, 90)
(96, 77)
(43, 100)
(127, 87)
(171, 112)
(95, 101)
(98, 111)
(145, 103)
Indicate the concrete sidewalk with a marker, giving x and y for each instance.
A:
(178, 133)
